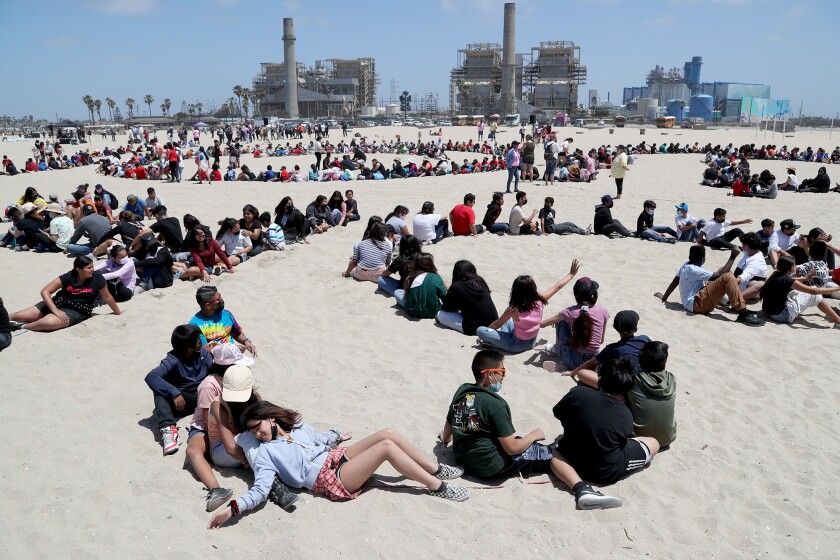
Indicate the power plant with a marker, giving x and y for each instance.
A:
(493, 78)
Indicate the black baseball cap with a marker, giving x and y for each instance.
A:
(626, 321)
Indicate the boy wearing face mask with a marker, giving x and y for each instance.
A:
(646, 230)
(479, 425)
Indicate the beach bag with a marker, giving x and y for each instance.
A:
(378, 176)
(548, 154)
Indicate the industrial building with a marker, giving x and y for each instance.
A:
(545, 81)
(334, 87)
(683, 94)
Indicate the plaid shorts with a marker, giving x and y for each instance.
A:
(328, 482)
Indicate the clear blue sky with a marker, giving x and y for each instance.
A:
(56, 52)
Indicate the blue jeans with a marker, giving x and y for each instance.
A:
(569, 357)
(497, 227)
(504, 339)
(451, 320)
(79, 249)
(688, 235)
(5, 340)
(399, 295)
(653, 233)
(513, 172)
(550, 166)
(150, 276)
(388, 284)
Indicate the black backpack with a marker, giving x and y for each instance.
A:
(115, 202)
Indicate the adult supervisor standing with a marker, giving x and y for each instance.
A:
(619, 169)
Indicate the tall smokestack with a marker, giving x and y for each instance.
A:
(291, 67)
(509, 60)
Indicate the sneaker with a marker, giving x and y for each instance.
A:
(724, 300)
(15, 325)
(749, 318)
(217, 496)
(447, 472)
(169, 439)
(552, 367)
(592, 499)
(281, 495)
(451, 492)
(589, 229)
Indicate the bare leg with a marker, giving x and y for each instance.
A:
(829, 312)
(197, 457)
(390, 434)
(563, 470)
(192, 272)
(356, 472)
(48, 323)
(234, 261)
(27, 315)
(752, 291)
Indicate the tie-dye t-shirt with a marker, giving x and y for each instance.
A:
(218, 328)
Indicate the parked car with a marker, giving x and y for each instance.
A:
(444, 123)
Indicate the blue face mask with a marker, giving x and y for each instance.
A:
(496, 387)
(650, 212)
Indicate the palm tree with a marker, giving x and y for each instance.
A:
(246, 100)
(148, 100)
(237, 91)
(167, 103)
(111, 104)
(88, 101)
(129, 102)
(198, 107)
(257, 97)
(98, 104)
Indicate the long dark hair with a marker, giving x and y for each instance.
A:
(336, 205)
(398, 209)
(30, 194)
(409, 247)
(524, 294)
(252, 209)
(263, 410)
(280, 209)
(190, 221)
(373, 220)
(464, 271)
(783, 268)
(238, 408)
(582, 326)
(225, 226)
(422, 262)
(377, 234)
(192, 242)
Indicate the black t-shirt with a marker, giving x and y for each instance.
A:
(399, 266)
(644, 222)
(595, 431)
(352, 207)
(471, 299)
(775, 293)
(547, 214)
(603, 217)
(5, 327)
(171, 231)
(79, 296)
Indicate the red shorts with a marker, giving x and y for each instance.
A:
(328, 482)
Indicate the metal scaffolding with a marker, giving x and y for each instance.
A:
(552, 78)
(477, 81)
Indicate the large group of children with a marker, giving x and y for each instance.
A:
(615, 420)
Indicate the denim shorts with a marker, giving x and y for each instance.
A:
(194, 432)
(535, 459)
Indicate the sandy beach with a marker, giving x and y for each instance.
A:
(753, 472)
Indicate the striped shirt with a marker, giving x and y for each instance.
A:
(369, 256)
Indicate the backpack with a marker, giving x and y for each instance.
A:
(115, 202)
(548, 153)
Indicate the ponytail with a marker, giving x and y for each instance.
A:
(582, 329)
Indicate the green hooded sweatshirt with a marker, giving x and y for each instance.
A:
(652, 401)
(423, 301)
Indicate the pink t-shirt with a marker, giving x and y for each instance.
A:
(599, 316)
(208, 391)
(529, 323)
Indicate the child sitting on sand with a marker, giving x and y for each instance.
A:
(479, 425)
(175, 382)
(580, 328)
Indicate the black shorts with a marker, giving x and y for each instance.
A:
(535, 459)
(636, 456)
(528, 160)
(74, 316)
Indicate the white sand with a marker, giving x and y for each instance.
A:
(753, 473)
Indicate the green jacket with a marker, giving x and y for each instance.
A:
(423, 302)
(652, 401)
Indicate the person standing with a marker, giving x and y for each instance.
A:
(480, 129)
(527, 165)
(619, 170)
(512, 162)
